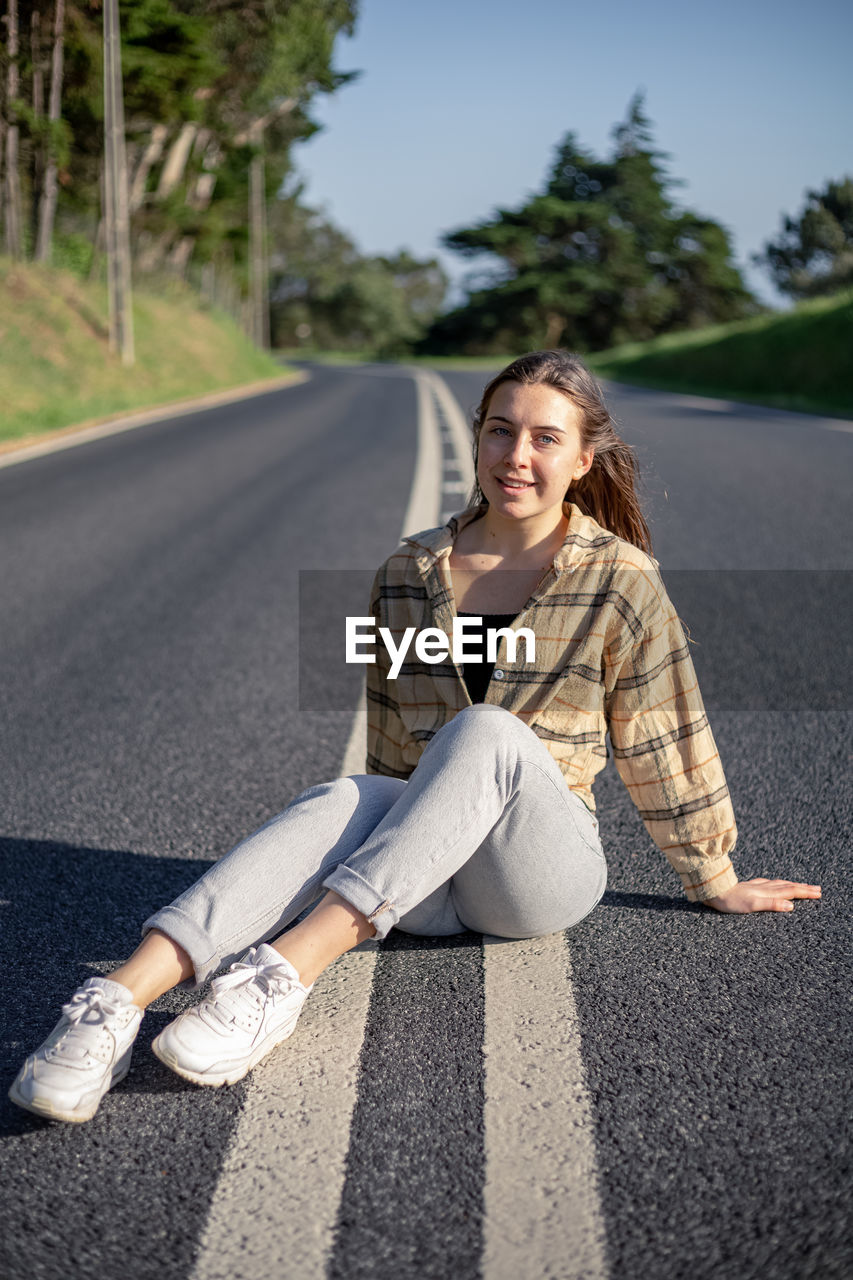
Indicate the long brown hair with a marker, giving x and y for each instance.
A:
(608, 490)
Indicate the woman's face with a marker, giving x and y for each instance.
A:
(530, 449)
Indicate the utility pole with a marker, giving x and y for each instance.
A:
(259, 293)
(116, 216)
(259, 267)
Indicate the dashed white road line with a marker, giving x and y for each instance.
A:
(276, 1202)
(457, 426)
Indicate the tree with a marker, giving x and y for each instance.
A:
(813, 253)
(46, 205)
(386, 302)
(324, 291)
(601, 255)
(216, 92)
(60, 158)
(12, 192)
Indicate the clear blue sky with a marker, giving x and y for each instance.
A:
(460, 105)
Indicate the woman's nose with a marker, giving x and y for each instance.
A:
(519, 451)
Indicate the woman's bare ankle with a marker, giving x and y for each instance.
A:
(157, 965)
(329, 931)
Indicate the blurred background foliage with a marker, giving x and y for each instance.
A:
(200, 76)
(813, 253)
(601, 255)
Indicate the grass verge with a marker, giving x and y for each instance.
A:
(56, 369)
(798, 360)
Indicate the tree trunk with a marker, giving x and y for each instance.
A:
(99, 244)
(202, 141)
(255, 130)
(13, 185)
(152, 251)
(176, 161)
(227, 294)
(47, 212)
(37, 160)
(202, 192)
(207, 288)
(180, 256)
(259, 295)
(150, 156)
(2, 149)
(554, 330)
(259, 274)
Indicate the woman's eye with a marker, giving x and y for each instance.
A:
(547, 440)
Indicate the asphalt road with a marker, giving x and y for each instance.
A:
(150, 718)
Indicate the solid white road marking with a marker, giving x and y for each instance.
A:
(276, 1202)
(542, 1203)
(425, 497)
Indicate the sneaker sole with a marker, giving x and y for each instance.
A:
(44, 1107)
(171, 1060)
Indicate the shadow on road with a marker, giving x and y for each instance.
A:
(647, 902)
(67, 913)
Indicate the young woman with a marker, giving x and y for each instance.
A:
(476, 811)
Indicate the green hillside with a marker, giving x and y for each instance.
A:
(800, 359)
(56, 368)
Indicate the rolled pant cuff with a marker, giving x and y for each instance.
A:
(382, 913)
(187, 934)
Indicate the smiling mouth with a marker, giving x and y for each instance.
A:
(514, 485)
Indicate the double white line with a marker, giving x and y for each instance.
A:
(276, 1203)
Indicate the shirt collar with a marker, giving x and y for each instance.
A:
(436, 544)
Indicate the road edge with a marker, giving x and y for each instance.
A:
(14, 451)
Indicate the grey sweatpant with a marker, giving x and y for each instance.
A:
(484, 835)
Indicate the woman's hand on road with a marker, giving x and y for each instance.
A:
(762, 894)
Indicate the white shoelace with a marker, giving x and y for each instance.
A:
(243, 982)
(76, 1041)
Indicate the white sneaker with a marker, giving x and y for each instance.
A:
(87, 1052)
(250, 1010)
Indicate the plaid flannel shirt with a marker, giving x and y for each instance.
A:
(611, 656)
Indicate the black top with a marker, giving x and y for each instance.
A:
(478, 674)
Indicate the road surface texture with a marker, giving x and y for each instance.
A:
(661, 1092)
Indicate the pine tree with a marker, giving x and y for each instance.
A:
(813, 253)
(602, 255)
